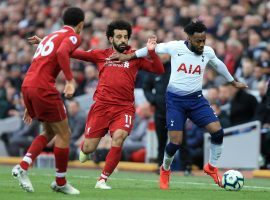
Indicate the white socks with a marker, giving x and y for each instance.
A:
(215, 153)
(167, 161)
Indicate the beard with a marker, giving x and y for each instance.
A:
(195, 50)
(120, 48)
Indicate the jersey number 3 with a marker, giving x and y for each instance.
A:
(45, 49)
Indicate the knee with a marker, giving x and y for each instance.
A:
(88, 148)
(66, 137)
(118, 138)
(217, 137)
(176, 139)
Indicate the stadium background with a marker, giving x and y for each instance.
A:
(238, 30)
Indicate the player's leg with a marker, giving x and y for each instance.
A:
(203, 116)
(175, 117)
(38, 144)
(121, 123)
(20, 171)
(112, 158)
(217, 133)
(88, 146)
(175, 139)
(61, 153)
(95, 128)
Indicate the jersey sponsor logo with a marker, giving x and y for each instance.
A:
(180, 54)
(110, 63)
(189, 69)
(73, 39)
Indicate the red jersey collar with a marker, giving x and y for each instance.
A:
(69, 28)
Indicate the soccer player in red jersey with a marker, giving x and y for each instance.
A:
(113, 109)
(43, 101)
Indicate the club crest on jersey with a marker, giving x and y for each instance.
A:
(189, 69)
(73, 39)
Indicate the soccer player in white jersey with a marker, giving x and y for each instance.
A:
(184, 97)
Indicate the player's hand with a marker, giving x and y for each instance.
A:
(26, 117)
(152, 43)
(69, 89)
(120, 57)
(239, 85)
(34, 40)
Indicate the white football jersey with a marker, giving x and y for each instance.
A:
(187, 68)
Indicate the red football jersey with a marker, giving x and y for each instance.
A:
(51, 56)
(117, 80)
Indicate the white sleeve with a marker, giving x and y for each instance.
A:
(221, 68)
(160, 48)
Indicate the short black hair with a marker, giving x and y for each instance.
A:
(120, 25)
(195, 26)
(73, 16)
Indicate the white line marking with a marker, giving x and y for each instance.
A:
(155, 181)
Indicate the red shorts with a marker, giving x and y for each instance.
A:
(44, 105)
(103, 118)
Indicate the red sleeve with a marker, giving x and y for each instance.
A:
(89, 56)
(64, 51)
(154, 65)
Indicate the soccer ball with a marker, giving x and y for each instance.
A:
(232, 180)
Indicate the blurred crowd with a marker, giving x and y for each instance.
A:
(238, 30)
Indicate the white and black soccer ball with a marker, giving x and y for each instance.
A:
(233, 180)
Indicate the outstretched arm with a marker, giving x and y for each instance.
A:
(77, 54)
(84, 55)
(154, 65)
(160, 48)
(221, 68)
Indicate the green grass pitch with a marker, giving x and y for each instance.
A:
(128, 186)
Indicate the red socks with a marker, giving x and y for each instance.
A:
(61, 162)
(61, 158)
(112, 160)
(38, 144)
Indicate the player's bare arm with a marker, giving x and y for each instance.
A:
(151, 45)
(26, 117)
(69, 89)
(239, 84)
(34, 40)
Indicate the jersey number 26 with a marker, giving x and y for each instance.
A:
(45, 49)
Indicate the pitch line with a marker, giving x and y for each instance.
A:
(155, 181)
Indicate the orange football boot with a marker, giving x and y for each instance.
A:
(164, 179)
(213, 172)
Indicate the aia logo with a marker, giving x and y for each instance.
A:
(189, 69)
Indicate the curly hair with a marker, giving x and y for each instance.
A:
(73, 16)
(195, 26)
(120, 25)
